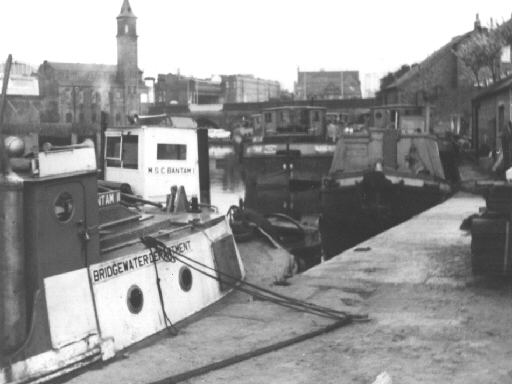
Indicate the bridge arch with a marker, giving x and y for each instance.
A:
(206, 122)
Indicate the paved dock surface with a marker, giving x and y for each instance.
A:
(431, 320)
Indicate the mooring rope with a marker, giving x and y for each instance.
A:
(342, 318)
(169, 255)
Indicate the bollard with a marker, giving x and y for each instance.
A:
(13, 313)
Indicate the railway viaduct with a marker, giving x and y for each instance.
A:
(233, 115)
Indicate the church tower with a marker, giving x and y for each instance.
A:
(127, 66)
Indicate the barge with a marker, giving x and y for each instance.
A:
(286, 159)
(380, 176)
(87, 270)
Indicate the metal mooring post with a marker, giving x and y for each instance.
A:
(13, 312)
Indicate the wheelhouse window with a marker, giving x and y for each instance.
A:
(130, 158)
(171, 152)
(113, 151)
(122, 151)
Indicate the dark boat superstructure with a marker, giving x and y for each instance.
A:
(87, 285)
(379, 178)
(289, 152)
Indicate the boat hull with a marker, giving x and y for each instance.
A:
(349, 217)
(281, 170)
(88, 314)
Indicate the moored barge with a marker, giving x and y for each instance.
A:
(83, 275)
(380, 176)
(286, 159)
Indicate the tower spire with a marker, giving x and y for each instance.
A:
(128, 75)
(126, 10)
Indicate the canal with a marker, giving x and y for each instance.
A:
(227, 189)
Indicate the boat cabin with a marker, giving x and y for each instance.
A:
(290, 121)
(403, 117)
(154, 154)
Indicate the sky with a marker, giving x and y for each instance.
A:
(270, 39)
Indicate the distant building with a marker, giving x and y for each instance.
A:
(22, 80)
(90, 95)
(371, 84)
(178, 89)
(328, 85)
(249, 89)
(23, 104)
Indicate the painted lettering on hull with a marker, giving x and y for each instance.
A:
(170, 171)
(111, 269)
(106, 199)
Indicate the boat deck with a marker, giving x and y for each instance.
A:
(132, 225)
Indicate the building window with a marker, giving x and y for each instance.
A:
(171, 152)
(69, 117)
(81, 118)
(93, 117)
(118, 118)
(316, 116)
(126, 29)
(268, 117)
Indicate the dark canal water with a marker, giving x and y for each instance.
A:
(226, 186)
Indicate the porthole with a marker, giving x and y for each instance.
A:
(185, 279)
(63, 207)
(135, 299)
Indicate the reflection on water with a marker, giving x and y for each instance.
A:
(226, 186)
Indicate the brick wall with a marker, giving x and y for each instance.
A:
(445, 83)
(489, 129)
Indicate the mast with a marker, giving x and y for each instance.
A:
(4, 161)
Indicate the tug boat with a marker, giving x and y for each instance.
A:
(88, 269)
(380, 176)
(285, 160)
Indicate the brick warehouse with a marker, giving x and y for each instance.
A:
(328, 85)
(443, 82)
